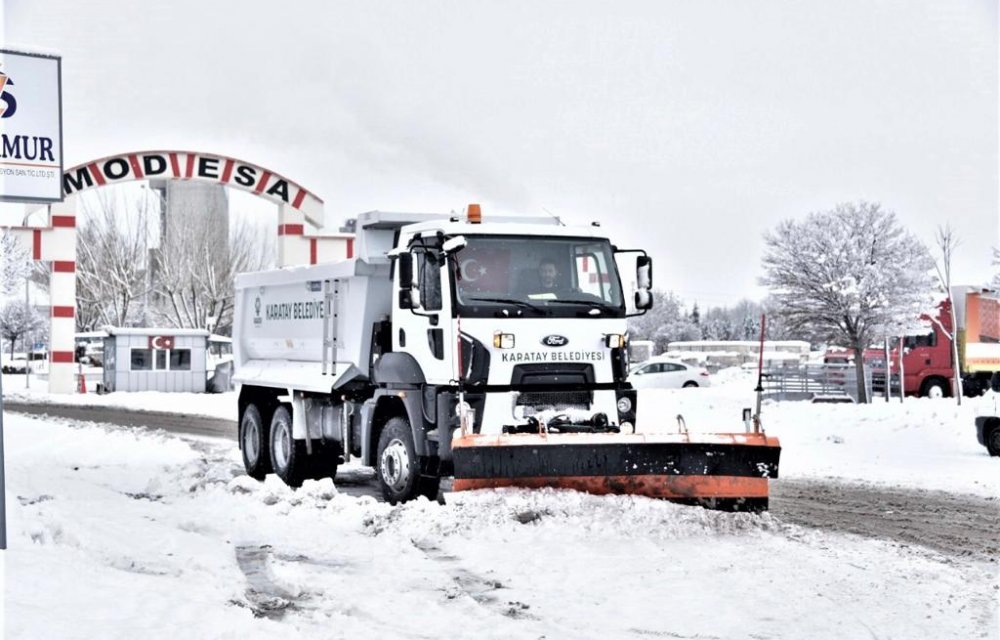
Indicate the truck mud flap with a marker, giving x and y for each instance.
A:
(726, 471)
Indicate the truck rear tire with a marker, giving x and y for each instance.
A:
(254, 443)
(324, 460)
(398, 466)
(288, 455)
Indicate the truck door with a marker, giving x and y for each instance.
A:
(926, 355)
(426, 331)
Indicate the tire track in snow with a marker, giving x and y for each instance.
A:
(953, 524)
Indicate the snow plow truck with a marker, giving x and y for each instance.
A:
(485, 353)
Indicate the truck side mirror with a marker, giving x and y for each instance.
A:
(644, 273)
(405, 270)
(643, 299)
(409, 293)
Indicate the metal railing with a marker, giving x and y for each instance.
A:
(818, 381)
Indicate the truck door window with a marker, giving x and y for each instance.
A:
(429, 277)
(928, 340)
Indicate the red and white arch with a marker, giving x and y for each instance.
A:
(300, 218)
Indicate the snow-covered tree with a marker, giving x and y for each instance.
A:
(851, 275)
(996, 274)
(666, 322)
(18, 319)
(15, 262)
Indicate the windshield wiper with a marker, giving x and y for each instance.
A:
(514, 301)
(593, 304)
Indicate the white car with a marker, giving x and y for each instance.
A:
(668, 374)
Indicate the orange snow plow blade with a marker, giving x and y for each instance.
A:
(726, 471)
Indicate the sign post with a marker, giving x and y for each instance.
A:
(31, 159)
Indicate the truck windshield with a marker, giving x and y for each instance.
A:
(528, 275)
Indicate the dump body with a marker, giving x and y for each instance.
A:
(308, 328)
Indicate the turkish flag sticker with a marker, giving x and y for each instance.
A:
(161, 342)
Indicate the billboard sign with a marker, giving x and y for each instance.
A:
(31, 154)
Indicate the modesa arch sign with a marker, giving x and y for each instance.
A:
(300, 218)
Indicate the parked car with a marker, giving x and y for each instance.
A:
(661, 373)
(988, 433)
(17, 363)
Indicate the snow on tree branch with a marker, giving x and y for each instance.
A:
(15, 262)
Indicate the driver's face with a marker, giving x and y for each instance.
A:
(547, 274)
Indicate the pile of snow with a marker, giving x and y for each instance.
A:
(121, 533)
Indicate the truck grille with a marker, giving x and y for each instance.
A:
(556, 399)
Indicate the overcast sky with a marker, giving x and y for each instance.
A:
(688, 127)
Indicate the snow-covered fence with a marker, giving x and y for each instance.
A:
(812, 381)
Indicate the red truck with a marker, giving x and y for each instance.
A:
(927, 358)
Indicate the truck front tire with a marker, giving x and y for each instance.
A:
(288, 455)
(398, 466)
(993, 440)
(254, 442)
(934, 388)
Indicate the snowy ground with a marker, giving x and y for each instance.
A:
(118, 533)
(930, 444)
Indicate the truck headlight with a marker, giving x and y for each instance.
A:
(503, 340)
(614, 340)
(624, 404)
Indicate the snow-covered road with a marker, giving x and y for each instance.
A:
(126, 533)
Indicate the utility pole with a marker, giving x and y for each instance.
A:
(27, 336)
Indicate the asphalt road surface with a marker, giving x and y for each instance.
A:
(954, 524)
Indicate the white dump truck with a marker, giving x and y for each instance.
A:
(494, 353)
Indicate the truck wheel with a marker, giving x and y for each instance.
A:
(288, 455)
(934, 388)
(993, 441)
(398, 466)
(253, 443)
(324, 461)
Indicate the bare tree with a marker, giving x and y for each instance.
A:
(851, 274)
(194, 272)
(112, 261)
(947, 242)
(112, 246)
(19, 319)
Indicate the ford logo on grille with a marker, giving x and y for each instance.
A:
(555, 341)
